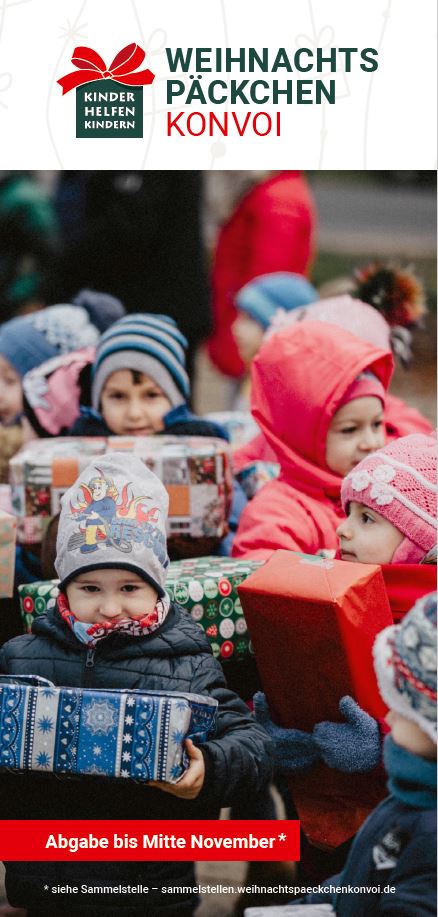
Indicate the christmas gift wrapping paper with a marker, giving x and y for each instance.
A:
(35, 599)
(240, 425)
(256, 475)
(129, 734)
(322, 617)
(8, 531)
(207, 588)
(196, 472)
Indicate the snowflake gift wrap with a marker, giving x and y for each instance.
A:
(137, 735)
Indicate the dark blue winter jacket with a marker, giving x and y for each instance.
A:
(393, 858)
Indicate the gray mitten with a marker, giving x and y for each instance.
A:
(354, 746)
(294, 750)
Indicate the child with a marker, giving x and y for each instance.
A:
(318, 395)
(392, 520)
(366, 323)
(257, 303)
(394, 854)
(390, 501)
(29, 340)
(114, 627)
(140, 385)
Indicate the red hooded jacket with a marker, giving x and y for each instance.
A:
(400, 420)
(299, 378)
(270, 230)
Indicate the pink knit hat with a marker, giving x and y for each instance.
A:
(399, 483)
(366, 385)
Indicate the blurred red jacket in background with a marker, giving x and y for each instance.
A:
(271, 229)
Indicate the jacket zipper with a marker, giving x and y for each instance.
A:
(89, 666)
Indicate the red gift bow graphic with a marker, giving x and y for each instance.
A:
(93, 67)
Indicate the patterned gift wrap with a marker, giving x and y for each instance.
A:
(131, 734)
(8, 531)
(207, 588)
(240, 425)
(36, 599)
(196, 472)
(40, 474)
(256, 475)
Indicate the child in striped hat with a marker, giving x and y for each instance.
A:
(140, 385)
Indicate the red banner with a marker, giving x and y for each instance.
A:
(91, 66)
(76, 840)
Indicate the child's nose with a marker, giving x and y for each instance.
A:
(342, 530)
(134, 408)
(110, 608)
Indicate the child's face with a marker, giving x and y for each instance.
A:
(365, 537)
(356, 430)
(407, 734)
(132, 408)
(110, 595)
(248, 335)
(11, 392)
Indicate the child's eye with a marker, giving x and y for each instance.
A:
(351, 429)
(130, 587)
(366, 518)
(377, 424)
(151, 395)
(116, 396)
(87, 587)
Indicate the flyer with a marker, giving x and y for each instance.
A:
(217, 458)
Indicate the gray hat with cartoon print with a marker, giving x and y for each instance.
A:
(114, 515)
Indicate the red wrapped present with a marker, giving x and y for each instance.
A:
(312, 624)
(405, 584)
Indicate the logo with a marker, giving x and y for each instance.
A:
(105, 518)
(109, 100)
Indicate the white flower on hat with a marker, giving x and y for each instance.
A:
(427, 657)
(360, 480)
(410, 636)
(383, 474)
(381, 495)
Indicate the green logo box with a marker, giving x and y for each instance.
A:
(105, 108)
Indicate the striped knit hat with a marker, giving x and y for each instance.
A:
(149, 344)
(405, 664)
(399, 483)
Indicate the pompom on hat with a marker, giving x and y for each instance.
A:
(114, 516)
(102, 308)
(399, 483)
(405, 664)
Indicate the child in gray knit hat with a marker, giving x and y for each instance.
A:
(114, 626)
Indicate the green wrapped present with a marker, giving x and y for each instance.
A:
(207, 588)
(35, 599)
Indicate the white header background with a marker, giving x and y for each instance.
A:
(381, 120)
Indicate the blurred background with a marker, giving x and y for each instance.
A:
(152, 238)
(182, 243)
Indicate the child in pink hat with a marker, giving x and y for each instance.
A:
(390, 502)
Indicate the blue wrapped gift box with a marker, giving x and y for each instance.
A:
(138, 735)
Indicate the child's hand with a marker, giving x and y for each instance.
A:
(191, 784)
(353, 746)
(294, 750)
